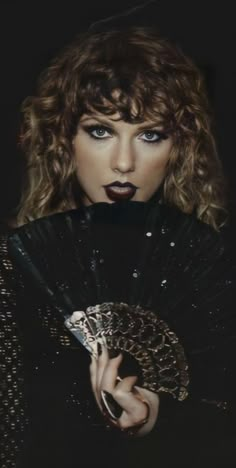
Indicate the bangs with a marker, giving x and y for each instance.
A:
(135, 96)
(124, 75)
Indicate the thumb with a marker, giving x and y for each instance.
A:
(127, 384)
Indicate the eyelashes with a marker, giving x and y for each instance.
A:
(100, 129)
(159, 136)
(102, 132)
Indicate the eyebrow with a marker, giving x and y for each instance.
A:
(108, 122)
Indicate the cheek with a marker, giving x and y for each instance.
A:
(162, 162)
(89, 170)
(83, 159)
(157, 165)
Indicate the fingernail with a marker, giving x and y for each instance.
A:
(113, 408)
(99, 348)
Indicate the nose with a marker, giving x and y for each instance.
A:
(123, 158)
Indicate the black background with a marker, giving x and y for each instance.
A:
(32, 32)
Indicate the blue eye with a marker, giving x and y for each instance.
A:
(97, 131)
(100, 132)
(153, 136)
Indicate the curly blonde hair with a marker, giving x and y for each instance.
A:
(155, 80)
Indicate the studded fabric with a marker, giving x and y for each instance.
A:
(48, 412)
(13, 415)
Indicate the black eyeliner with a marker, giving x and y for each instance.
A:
(91, 127)
(161, 135)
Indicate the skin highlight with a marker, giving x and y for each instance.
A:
(108, 149)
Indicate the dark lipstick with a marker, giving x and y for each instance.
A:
(117, 191)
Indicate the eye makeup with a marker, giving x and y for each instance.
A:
(154, 132)
(100, 129)
(101, 132)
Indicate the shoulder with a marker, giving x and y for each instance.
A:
(197, 240)
(175, 218)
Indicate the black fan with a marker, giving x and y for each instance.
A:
(132, 276)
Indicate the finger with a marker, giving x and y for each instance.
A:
(109, 381)
(110, 374)
(126, 384)
(102, 361)
(110, 406)
(135, 412)
(143, 394)
(124, 396)
(93, 375)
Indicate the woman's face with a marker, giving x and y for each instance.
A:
(118, 160)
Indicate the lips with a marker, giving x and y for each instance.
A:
(117, 191)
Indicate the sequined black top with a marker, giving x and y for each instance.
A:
(48, 414)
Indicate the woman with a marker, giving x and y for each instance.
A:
(118, 116)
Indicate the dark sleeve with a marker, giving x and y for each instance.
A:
(12, 402)
(204, 423)
(200, 431)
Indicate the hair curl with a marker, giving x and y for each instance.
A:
(155, 80)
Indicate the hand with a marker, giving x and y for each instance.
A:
(139, 406)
